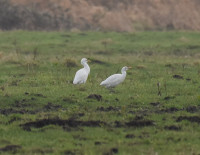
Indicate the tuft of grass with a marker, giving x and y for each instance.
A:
(70, 63)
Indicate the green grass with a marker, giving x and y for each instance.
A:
(36, 73)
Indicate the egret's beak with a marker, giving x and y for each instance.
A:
(129, 67)
(88, 60)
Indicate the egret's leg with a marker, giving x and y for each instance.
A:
(111, 89)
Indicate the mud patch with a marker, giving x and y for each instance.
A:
(75, 116)
(111, 151)
(19, 110)
(14, 111)
(64, 123)
(95, 61)
(172, 127)
(114, 150)
(39, 95)
(68, 100)
(155, 103)
(169, 98)
(118, 124)
(26, 93)
(139, 123)
(194, 119)
(192, 109)
(176, 76)
(110, 108)
(49, 107)
(81, 114)
(188, 79)
(95, 96)
(21, 103)
(14, 119)
(99, 143)
(10, 148)
(168, 110)
(72, 124)
(193, 47)
(130, 136)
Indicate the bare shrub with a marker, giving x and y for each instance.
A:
(9, 17)
(117, 15)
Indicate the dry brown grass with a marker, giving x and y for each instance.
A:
(117, 15)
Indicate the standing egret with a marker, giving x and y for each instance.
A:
(115, 79)
(82, 74)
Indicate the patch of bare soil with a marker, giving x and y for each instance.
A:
(168, 110)
(160, 110)
(108, 109)
(193, 109)
(51, 107)
(99, 143)
(56, 121)
(172, 127)
(17, 111)
(155, 103)
(194, 119)
(130, 136)
(169, 98)
(68, 100)
(39, 95)
(95, 96)
(112, 151)
(14, 119)
(18, 108)
(96, 61)
(70, 124)
(138, 121)
(177, 76)
(21, 103)
(10, 148)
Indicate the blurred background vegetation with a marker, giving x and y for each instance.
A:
(112, 15)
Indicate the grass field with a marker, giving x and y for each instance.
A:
(155, 111)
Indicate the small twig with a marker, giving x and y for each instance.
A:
(35, 53)
(165, 86)
(159, 91)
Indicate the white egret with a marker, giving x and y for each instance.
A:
(82, 74)
(115, 79)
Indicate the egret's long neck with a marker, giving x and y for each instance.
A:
(124, 73)
(86, 66)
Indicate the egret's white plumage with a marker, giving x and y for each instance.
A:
(115, 79)
(82, 74)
